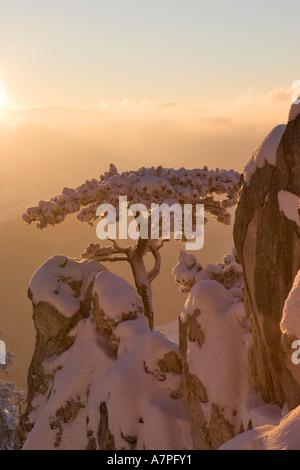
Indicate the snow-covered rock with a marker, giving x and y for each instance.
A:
(264, 152)
(255, 412)
(282, 436)
(188, 272)
(114, 301)
(214, 338)
(294, 111)
(62, 282)
(102, 380)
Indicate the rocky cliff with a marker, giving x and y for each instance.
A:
(267, 239)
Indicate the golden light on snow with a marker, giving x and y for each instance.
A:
(2, 93)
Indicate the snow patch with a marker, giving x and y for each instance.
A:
(170, 330)
(294, 112)
(264, 152)
(284, 436)
(259, 413)
(115, 296)
(62, 282)
(290, 323)
(213, 269)
(289, 205)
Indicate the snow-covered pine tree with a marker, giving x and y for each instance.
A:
(216, 189)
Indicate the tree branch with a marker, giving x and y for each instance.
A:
(161, 243)
(118, 247)
(110, 253)
(156, 269)
(112, 259)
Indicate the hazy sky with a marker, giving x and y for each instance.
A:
(234, 59)
(84, 53)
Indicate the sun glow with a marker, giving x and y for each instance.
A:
(2, 93)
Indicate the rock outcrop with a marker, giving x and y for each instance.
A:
(267, 239)
(61, 293)
(214, 340)
(99, 377)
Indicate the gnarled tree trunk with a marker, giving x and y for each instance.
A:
(141, 278)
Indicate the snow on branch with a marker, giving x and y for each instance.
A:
(109, 253)
(146, 186)
(229, 272)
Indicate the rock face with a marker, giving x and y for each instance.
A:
(100, 378)
(267, 239)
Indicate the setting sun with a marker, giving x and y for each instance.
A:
(2, 93)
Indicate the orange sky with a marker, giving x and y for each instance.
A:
(133, 54)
